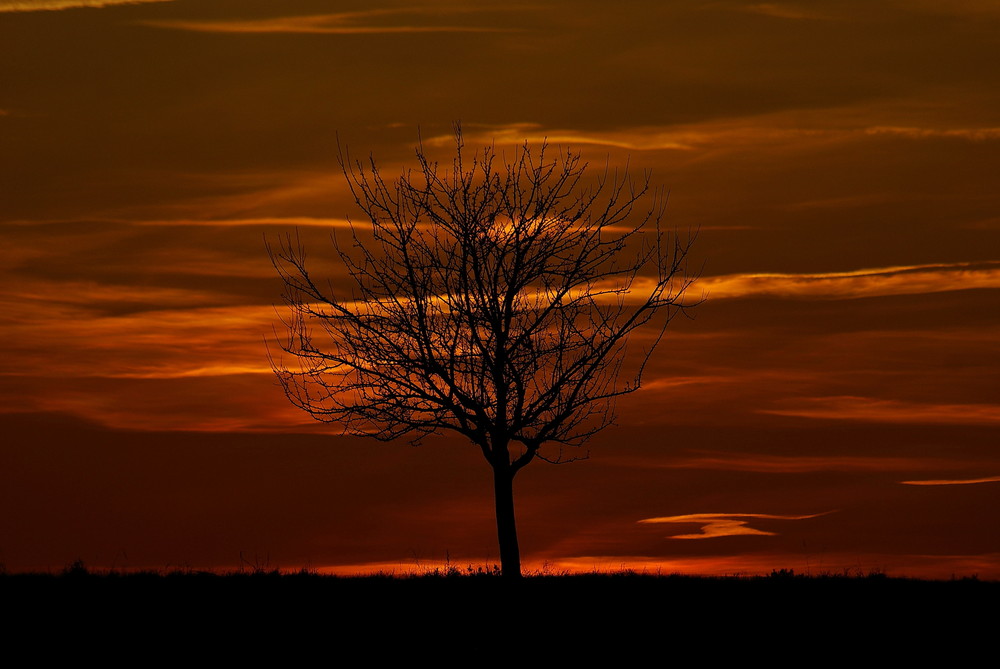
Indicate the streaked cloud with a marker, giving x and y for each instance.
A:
(229, 403)
(50, 5)
(97, 296)
(875, 410)
(972, 134)
(632, 138)
(771, 131)
(205, 370)
(873, 282)
(680, 138)
(143, 343)
(292, 221)
(715, 525)
(855, 284)
(341, 23)
(987, 479)
(295, 221)
(253, 197)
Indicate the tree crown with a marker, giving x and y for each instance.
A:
(494, 298)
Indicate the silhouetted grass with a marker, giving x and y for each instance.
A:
(77, 581)
(387, 613)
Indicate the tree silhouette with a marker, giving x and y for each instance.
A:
(495, 299)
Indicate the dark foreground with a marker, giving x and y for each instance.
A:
(476, 617)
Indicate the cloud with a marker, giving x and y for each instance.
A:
(642, 139)
(987, 479)
(874, 410)
(873, 282)
(294, 221)
(971, 134)
(51, 5)
(792, 130)
(95, 296)
(724, 524)
(855, 284)
(291, 221)
(294, 196)
(182, 341)
(223, 403)
(342, 23)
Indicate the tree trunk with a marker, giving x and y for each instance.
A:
(510, 554)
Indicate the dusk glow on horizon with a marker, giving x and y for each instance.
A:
(832, 405)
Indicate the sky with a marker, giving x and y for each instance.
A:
(833, 406)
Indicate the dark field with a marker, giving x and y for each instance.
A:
(481, 616)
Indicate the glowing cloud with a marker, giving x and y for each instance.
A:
(634, 139)
(770, 131)
(971, 134)
(342, 23)
(723, 524)
(160, 343)
(293, 221)
(297, 221)
(50, 5)
(874, 282)
(95, 296)
(988, 479)
(874, 410)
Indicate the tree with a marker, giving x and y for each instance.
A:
(494, 299)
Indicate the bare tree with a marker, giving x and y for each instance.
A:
(495, 299)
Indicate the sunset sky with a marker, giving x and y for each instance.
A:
(833, 405)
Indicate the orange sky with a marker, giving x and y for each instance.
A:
(834, 404)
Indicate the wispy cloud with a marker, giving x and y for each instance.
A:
(715, 525)
(987, 479)
(771, 131)
(255, 198)
(629, 138)
(95, 297)
(195, 372)
(873, 282)
(294, 221)
(141, 343)
(875, 410)
(181, 368)
(341, 23)
(971, 134)
(50, 5)
(855, 284)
